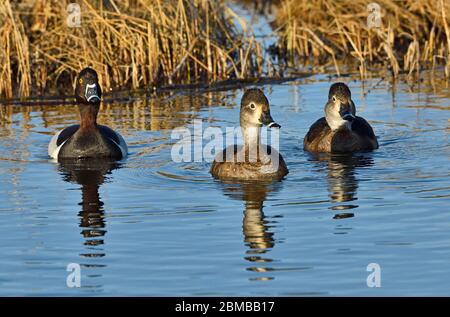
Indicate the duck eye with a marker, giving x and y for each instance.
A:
(252, 106)
(334, 98)
(81, 81)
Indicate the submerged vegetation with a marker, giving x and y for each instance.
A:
(404, 35)
(144, 43)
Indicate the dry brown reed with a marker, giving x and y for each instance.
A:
(141, 43)
(413, 34)
(131, 44)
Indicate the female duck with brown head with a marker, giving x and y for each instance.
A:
(252, 160)
(87, 139)
(340, 131)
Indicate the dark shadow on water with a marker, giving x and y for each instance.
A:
(257, 229)
(90, 175)
(342, 179)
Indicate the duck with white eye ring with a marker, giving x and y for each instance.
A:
(252, 160)
(341, 130)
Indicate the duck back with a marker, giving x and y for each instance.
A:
(320, 138)
(101, 142)
(265, 168)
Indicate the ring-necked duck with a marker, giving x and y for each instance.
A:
(251, 161)
(87, 139)
(340, 131)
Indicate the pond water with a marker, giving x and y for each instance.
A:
(149, 226)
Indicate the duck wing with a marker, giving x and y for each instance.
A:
(59, 139)
(316, 133)
(115, 137)
(362, 127)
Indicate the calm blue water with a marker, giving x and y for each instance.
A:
(149, 226)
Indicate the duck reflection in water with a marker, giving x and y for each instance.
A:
(90, 174)
(258, 236)
(342, 179)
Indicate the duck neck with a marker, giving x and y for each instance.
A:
(88, 116)
(252, 136)
(252, 143)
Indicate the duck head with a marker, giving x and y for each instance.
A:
(88, 94)
(255, 110)
(87, 88)
(340, 109)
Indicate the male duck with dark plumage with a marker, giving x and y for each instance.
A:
(87, 139)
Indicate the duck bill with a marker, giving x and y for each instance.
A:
(91, 94)
(268, 121)
(346, 112)
(348, 116)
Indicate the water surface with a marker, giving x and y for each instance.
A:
(149, 226)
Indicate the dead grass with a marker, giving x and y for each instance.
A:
(131, 44)
(413, 35)
(140, 43)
